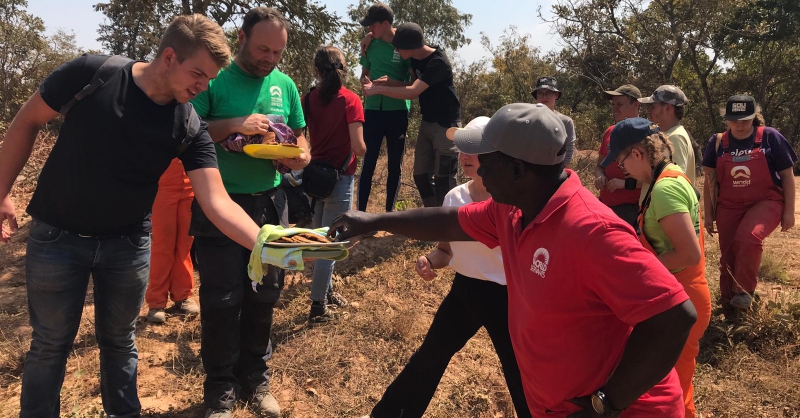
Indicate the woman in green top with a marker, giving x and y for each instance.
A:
(669, 225)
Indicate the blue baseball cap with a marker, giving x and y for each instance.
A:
(626, 133)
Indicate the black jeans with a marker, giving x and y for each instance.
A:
(391, 124)
(235, 320)
(470, 305)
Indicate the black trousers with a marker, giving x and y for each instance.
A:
(470, 305)
(378, 124)
(236, 321)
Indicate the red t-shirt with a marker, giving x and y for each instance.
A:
(329, 135)
(619, 196)
(578, 281)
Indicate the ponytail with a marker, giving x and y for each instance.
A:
(329, 62)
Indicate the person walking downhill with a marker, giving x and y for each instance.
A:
(749, 191)
(335, 119)
(477, 298)
(669, 226)
(171, 268)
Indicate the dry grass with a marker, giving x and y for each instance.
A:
(749, 366)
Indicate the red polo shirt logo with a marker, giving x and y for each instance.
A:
(540, 260)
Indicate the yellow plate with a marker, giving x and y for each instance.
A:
(272, 152)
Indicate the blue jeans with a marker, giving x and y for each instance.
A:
(59, 264)
(325, 211)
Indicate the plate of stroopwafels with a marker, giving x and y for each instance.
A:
(305, 239)
(272, 149)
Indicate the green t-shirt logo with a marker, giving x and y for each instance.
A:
(276, 96)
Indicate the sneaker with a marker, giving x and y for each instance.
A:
(321, 314)
(187, 306)
(264, 404)
(741, 301)
(336, 299)
(156, 316)
(218, 413)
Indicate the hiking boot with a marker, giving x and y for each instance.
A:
(156, 316)
(321, 314)
(187, 306)
(741, 301)
(218, 413)
(336, 299)
(264, 404)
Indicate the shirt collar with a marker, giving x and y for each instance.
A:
(568, 188)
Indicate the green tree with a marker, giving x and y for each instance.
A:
(135, 26)
(27, 55)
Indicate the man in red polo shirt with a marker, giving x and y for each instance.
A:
(618, 191)
(593, 338)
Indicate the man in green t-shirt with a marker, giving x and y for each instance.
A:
(384, 116)
(236, 318)
(666, 108)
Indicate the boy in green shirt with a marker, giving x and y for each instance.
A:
(384, 116)
(236, 318)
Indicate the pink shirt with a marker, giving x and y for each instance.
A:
(578, 281)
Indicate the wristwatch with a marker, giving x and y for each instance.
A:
(601, 405)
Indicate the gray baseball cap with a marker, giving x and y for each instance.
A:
(529, 132)
(666, 94)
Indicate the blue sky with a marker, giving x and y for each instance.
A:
(79, 17)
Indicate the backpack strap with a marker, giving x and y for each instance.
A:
(722, 139)
(111, 68)
(759, 137)
(192, 129)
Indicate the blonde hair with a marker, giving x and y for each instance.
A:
(657, 146)
(188, 33)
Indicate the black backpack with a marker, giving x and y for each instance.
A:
(111, 69)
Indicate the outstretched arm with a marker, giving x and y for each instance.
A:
(427, 224)
(223, 212)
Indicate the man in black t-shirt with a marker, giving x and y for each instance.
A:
(434, 156)
(91, 208)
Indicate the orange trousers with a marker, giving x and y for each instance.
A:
(697, 289)
(171, 270)
(693, 280)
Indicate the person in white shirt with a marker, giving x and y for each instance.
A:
(477, 299)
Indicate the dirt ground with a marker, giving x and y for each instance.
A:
(748, 367)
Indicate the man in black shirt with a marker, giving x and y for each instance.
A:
(434, 156)
(91, 208)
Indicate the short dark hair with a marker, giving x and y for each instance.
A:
(679, 111)
(257, 15)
